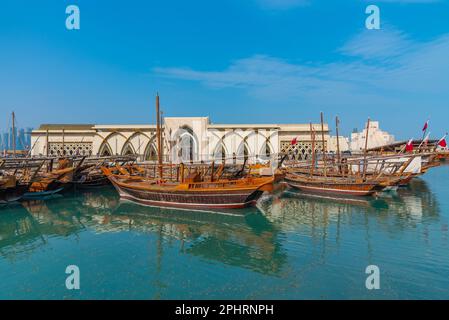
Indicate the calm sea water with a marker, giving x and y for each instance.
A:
(291, 247)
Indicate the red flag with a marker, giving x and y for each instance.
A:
(409, 146)
(294, 141)
(442, 142)
(426, 125)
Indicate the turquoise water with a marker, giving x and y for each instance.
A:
(291, 247)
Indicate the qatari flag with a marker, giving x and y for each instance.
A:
(442, 142)
(426, 125)
(294, 141)
(409, 146)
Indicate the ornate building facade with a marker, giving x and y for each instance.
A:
(184, 139)
(376, 137)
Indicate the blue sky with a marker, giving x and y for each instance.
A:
(237, 61)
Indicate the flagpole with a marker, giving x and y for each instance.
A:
(324, 144)
(312, 136)
(338, 143)
(366, 149)
(425, 138)
(426, 125)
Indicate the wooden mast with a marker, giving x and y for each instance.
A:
(158, 136)
(14, 133)
(312, 136)
(161, 129)
(46, 143)
(366, 149)
(338, 143)
(324, 145)
(63, 142)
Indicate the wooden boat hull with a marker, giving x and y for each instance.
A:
(230, 199)
(319, 187)
(405, 181)
(43, 194)
(92, 182)
(12, 194)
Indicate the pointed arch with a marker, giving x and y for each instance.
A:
(185, 145)
(107, 138)
(105, 150)
(150, 153)
(220, 151)
(137, 148)
(128, 149)
(243, 151)
(266, 151)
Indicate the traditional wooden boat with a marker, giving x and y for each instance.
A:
(390, 181)
(333, 185)
(237, 193)
(92, 181)
(196, 191)
(10, 190)
(41, 194)
(52, 182)
(338, 178)
(88, 172)
(7, 182)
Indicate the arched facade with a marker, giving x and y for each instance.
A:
(184, 145)
(186, 139)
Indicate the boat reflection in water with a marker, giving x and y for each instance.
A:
(397, 209)
(245, 239)
(291, 246)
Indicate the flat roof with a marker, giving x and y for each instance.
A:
(125, 126)
(286, 127)
(66, 127)
(93, 127)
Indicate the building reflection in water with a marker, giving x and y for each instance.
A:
(252, 239)
(246, 239)
(406, 205)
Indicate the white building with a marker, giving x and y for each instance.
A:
(184, 139)
(344, 144)
(376, 137)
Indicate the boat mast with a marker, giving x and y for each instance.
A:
(312, 136)
(63, 143)
(46, 143)
(324, 145)
(338, 143)
(158, 136)
(14, 133)
(366, 150)
(161, 116)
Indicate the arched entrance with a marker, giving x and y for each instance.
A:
(185, 146)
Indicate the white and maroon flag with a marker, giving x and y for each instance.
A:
(294, 141)
(409, 145)
(424, 141)
(442, 142)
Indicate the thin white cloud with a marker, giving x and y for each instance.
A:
(387, 43)
(385, 69)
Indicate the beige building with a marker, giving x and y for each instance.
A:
(184, 139)
(343, 145)
(376, 137)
